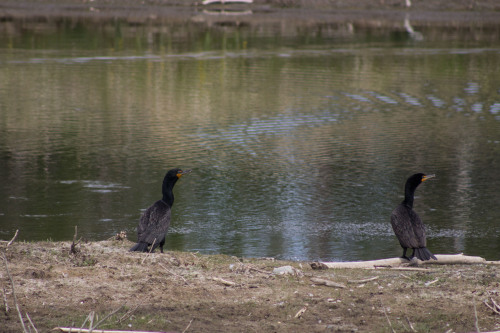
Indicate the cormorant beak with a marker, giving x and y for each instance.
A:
(182, 173)
(424, 178)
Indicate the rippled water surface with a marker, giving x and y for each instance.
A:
(299, 148)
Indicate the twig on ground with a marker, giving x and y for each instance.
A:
(328, 283)
(387, 317)
(31, 323)
(85, 321)
(13, 238)
(431, 282)
(187, 327)
(107, 316)
(476, 322)
(91, 319)
(364, 280)
(174, 274)
(301, 312)
(149, 252)
(495, 304)
(251, 268)
(224, 282)
(411, 325)
(6, 262)
(495, 308)
(86, 330)
(5, 304)
(73, 249)
(127, 314)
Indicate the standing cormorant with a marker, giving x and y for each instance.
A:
(407, 225)
(154, 223)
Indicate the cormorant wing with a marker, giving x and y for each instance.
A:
(401, 220)
(154, 223)
(418, 229)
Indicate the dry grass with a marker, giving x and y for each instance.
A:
(175, 291)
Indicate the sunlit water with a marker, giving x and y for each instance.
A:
(298, 151)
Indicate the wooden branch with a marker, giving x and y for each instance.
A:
(86, 330)
(443, 259)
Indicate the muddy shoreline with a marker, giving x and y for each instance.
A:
(366, 13)
(191, 292)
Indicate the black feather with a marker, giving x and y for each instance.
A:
(155, 220)
(408, 226)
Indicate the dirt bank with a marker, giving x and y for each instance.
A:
(370, 13)
(217, 293)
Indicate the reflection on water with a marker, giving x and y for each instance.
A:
(299, 150)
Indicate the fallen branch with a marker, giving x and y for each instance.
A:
(364, 280)
(328, 283)
(431, 282)
(149, 252)
(12, 282)
(176, 275)
(127, 314)
(188, 326)
(301, 312)
(31, 323)
(224, 282)
(106, 317)
(443, 259)
(12, 240)
(208, 2)
(387, 317)
(73, 249)
(85, 330)
(494, 307)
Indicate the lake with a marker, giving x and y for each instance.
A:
(300, 140)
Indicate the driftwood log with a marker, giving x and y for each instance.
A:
(443, 259)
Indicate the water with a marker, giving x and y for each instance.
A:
(299, 146)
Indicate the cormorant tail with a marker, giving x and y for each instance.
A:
(424, 254)
(140, 247)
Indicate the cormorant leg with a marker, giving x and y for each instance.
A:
(404, 254)
(161, 245)
(412, 254)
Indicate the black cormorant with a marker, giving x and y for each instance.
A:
(407, 225)
(154, 223)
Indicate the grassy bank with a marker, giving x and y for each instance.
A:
(177, 290)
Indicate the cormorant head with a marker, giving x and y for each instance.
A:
(411, 185)
(418, 178)
(173, 175)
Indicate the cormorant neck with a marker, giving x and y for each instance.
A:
(168, 193)
(409, 195)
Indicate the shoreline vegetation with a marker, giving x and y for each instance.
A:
(101, 287)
